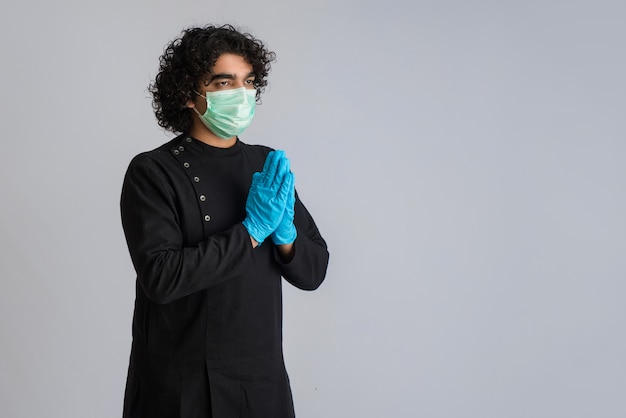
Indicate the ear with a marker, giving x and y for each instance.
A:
(190, 104)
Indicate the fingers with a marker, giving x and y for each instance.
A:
(286, 188)
(271, 166)
(272, 158)
(276, 175)
(274, 170)
(282, 169)
(257, 179)
(291, 200)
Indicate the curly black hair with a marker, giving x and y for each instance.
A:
(188, 60)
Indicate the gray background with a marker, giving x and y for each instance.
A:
(464, 160)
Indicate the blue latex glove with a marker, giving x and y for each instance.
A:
(285, 232)
(268, 196)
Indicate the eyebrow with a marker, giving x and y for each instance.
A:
(228, 76)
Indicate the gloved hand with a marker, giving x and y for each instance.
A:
(268, 196)
(285, 232)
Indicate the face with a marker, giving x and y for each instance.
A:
(229, 72)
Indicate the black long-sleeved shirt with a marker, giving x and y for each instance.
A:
(207, 328)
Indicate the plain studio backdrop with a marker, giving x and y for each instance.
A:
(465, 161)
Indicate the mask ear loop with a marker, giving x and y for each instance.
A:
(204, 97)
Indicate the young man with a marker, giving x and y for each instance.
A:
(211, 225)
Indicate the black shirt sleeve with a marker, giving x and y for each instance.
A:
(307, 269)
(166, 268)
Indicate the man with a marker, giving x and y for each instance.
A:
(211, 225)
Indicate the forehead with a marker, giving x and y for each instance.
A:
(232, 64)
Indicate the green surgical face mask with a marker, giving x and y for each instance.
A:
(228, 112)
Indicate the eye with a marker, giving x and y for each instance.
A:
(222, 84)
(250, 82)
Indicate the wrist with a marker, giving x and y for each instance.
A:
(284, 235)
(286, 252)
